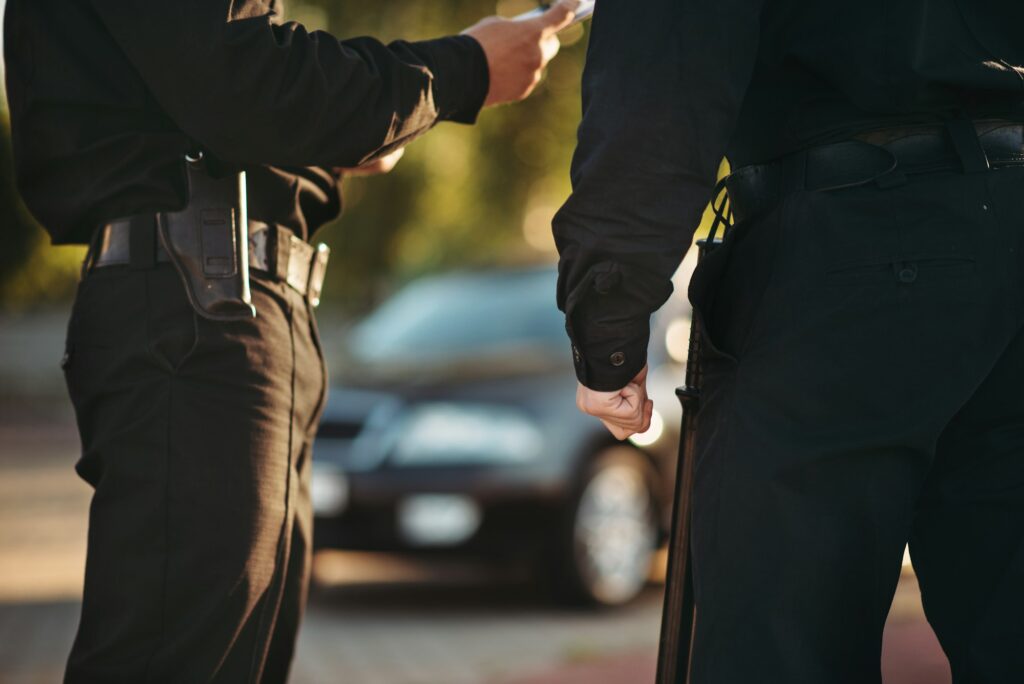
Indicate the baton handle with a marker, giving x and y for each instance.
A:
(679, 610)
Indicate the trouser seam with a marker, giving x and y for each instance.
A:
(275, 590)
(314, 330)
(726, 441)
(168, 432)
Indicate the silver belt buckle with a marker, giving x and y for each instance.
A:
(317, 272)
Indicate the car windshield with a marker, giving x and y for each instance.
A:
(464, 315)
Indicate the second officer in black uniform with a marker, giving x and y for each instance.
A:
(864, 319)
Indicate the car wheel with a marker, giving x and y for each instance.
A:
(611, 531)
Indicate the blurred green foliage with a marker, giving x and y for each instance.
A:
(31, 272)
(462, 195)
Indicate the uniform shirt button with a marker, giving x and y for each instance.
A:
(907, 274)
(617, 359)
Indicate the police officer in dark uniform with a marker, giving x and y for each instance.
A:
(863, 318)
(192, 356)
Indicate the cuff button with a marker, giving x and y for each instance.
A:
(617, 359)
(907, 274)
(576, 356)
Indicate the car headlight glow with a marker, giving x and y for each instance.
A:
(677, 339)
(443, 433)
(653, 434)
(438, 519)
(329, 490)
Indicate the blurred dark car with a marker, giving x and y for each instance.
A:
(452, 427)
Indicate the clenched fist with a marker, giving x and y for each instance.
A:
(625, 413)
(518, 50)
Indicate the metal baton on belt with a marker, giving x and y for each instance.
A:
(679, 612)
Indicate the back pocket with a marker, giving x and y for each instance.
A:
(921, 269)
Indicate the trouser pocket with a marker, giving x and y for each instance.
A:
(730, 283)
(908, 270)
(172, 328)
(69, 345)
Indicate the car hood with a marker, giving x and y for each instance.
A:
(360, 418)
(410, 376)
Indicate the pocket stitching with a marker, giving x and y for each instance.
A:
(151, 349)
(759, 314)
(882, 270)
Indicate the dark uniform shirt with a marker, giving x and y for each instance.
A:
(106, 96)
(673, 85)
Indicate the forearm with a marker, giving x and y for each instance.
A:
(254, 92)
(660, 98)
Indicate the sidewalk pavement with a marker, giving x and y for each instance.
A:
(910, 655)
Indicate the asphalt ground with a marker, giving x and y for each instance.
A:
(371, 619)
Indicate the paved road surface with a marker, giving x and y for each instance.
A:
(372, 620)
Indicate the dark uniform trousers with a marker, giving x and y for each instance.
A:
(197, 439)
(865, 388)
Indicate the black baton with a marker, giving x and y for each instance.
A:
(679, 612)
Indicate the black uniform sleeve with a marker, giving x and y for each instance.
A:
(662, 89)
(255, 92)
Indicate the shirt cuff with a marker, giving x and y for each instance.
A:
(461, 76)
(608, 316)
(608, 365)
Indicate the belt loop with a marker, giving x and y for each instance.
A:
(270, 243)
(142, 242)
(280, 252)
(967, 145)
(92, 252)
(794, 171)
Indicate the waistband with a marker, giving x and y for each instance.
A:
(885, 158)
(273, 250)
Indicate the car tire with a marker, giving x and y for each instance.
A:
(603, 549)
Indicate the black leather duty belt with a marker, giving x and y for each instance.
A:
(273, 251)
(885, 158)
